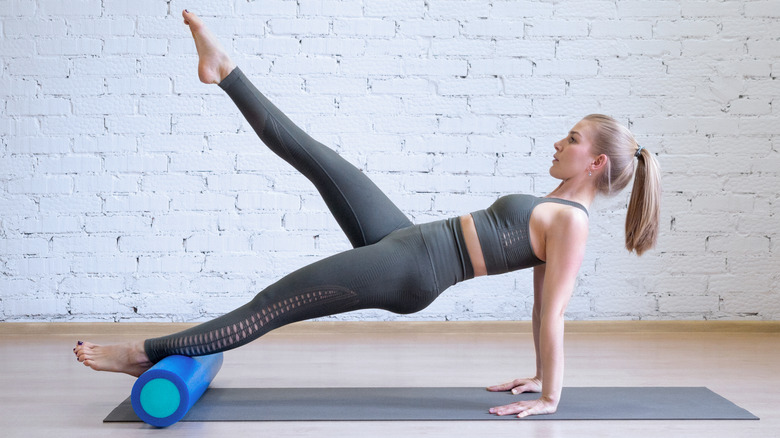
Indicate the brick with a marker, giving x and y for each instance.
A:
(696, 304)
(238, 182)
(495, 28)
(741, 243)
(26, 246)
(138, 203)
(69, 164)
(183, 222)
(375, 104)
(283, 241)
(37, 267)
(429, 28)
(136, 46)
(684, 28)
(460, 47)
(140, 7)
(299, 26)
(268, 201)
(520, 8)
(174, 264)
(70, 7)
(502, 67)
(376, 47)
(37, 307)
(220, 243)
(117, 224)
(470, 9)
(38, 67)
(437, 143)
(435, 67)
(469, 125)
(41, 185)
(244, 264)
(566, 68)
(203, 162)
(715, 49)
(711, 8)
(646, 8)
(556, 28)
(202, 202)
(335, 8)
(15, 166)
(105, 144)
(332, 46)
(273, 8)
(766, 8)
(70, 204)
(395, 8)
(460, 203)
(84, 244)
(369, 27)
(621, 29)
(69, 46)
(304, 65)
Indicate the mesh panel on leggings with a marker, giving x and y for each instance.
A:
(207, 339)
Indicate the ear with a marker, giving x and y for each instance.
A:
(599, 163)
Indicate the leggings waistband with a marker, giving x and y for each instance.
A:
(448, 252)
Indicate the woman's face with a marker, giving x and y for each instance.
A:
(573, 156)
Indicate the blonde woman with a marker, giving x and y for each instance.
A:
(401, 267)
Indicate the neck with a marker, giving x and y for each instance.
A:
(575, 191)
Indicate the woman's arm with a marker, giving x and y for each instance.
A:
(537, 316)
(565, 249)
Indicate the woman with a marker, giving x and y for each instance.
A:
(401, 267)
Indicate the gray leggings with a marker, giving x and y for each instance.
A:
(394, 265)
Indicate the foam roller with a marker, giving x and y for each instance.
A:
(165, 392)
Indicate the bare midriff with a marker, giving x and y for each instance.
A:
(472, 245)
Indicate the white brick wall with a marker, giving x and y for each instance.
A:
(130, 191)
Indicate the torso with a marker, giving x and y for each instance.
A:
(539, 220)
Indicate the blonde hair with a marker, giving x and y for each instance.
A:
(619, 145)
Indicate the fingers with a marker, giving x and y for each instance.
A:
(524, 409)
(509, 409)
(515, 387)
(501, 387)
(507, 386)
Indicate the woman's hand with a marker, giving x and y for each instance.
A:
(518, 386)
(539, 406)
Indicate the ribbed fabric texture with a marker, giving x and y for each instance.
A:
(503, 231)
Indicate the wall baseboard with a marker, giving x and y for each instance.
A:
(378, 327)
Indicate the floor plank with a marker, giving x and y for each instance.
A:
(45, 392)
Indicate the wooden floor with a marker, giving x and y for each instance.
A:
(44, 392)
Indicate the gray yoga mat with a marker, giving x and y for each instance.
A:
(448, 404)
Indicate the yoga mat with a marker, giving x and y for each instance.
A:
(448, 404)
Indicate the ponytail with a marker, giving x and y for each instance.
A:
(644, 209)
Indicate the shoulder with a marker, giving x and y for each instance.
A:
(569, 224)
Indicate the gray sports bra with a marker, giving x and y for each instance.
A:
(504, 235)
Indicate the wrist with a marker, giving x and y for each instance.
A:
(550, 399)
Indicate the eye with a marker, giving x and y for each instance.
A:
(571, 140)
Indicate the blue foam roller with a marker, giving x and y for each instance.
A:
(167, 391)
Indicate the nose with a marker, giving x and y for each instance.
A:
(556, 145)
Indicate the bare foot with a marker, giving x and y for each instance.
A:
(214, 64)
(129, 358)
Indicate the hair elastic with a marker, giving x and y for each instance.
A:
(639, 151)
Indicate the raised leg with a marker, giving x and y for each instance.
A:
(362, 210)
